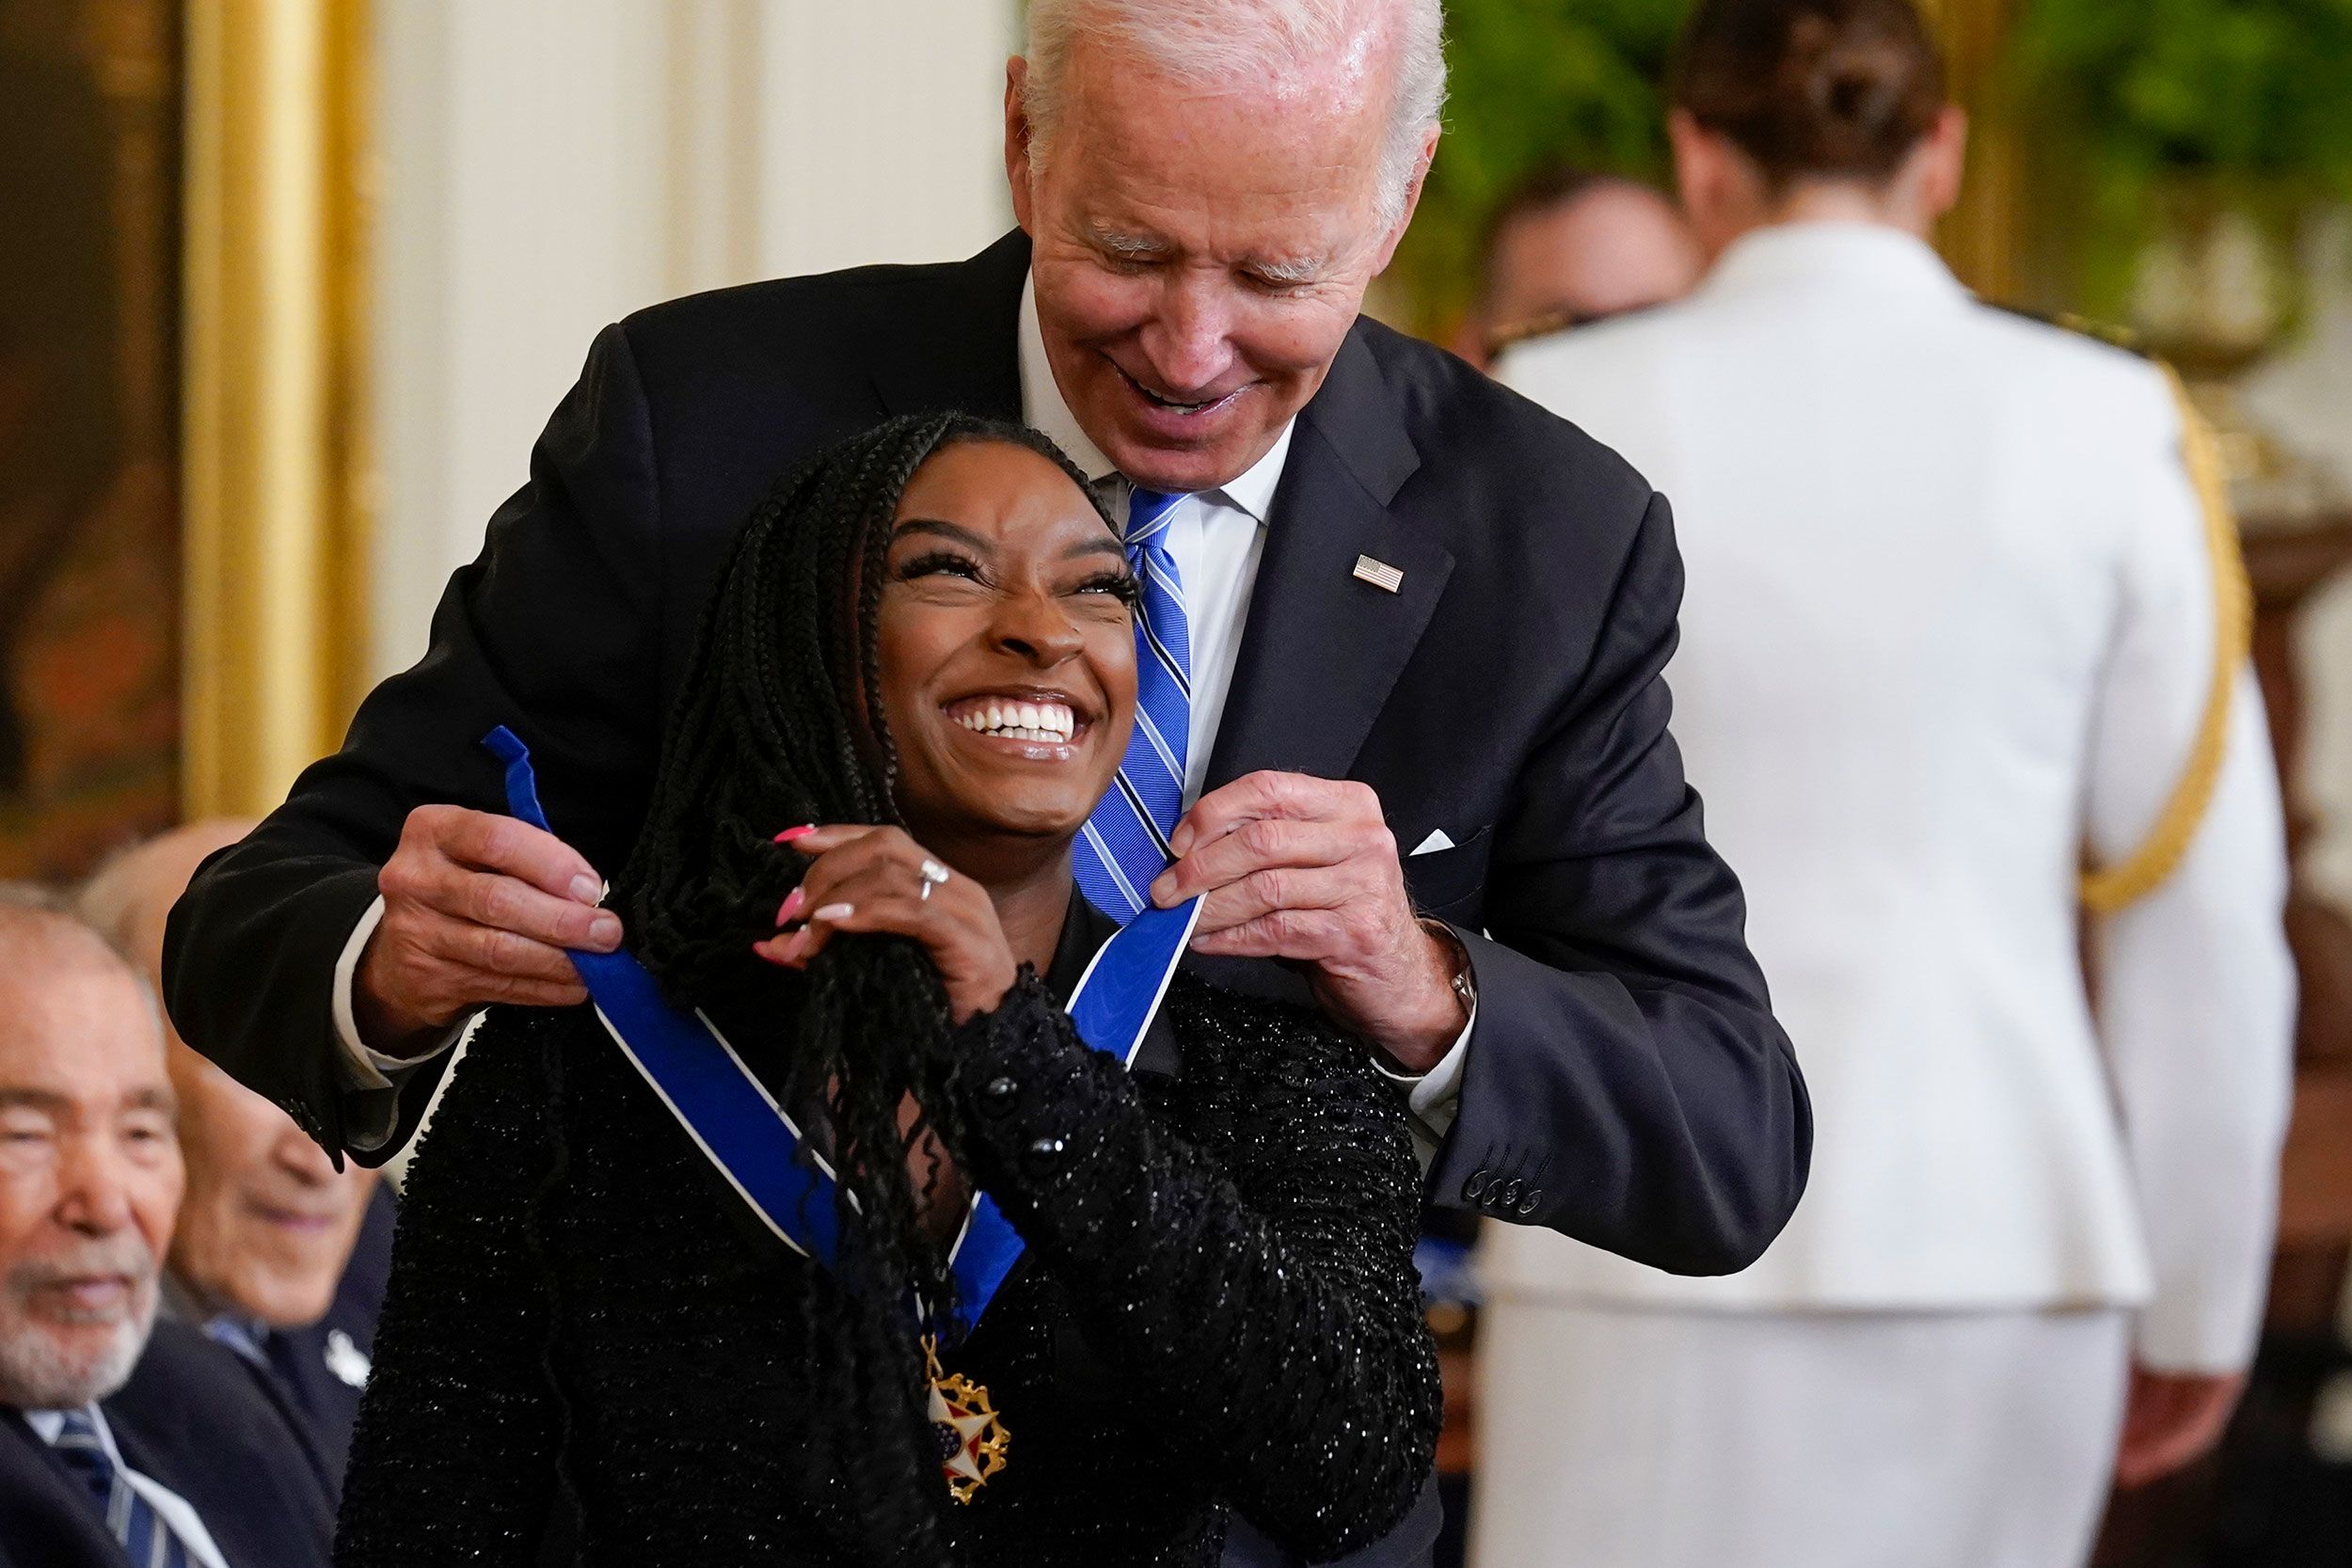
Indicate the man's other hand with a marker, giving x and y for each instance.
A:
(2170, 1421)
(478, 910)
(1305, 870)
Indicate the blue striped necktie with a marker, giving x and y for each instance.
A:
(147, 1541)
(1124, 846)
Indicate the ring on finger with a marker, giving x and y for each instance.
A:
(934, 875)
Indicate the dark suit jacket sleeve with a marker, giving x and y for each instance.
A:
(1617, 996)
(554, 631)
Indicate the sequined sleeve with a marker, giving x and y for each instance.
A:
(452, 1461)
(1263, 1301)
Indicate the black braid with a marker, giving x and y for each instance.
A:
(768, 734)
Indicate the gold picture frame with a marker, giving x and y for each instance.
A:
(1978, 238)
(276, 473)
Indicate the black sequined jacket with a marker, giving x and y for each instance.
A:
(1216, 1310)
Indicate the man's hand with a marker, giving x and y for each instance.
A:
(2171, 1421)
(477, 910)
(1306, 869)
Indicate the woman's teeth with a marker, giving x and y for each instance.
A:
(1048, 722)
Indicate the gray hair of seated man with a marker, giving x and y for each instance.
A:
(1254, 42)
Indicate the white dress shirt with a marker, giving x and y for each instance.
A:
(1949, 619)
(1217, 537)
(175, 1510)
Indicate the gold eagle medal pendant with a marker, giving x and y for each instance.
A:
(972, 1439)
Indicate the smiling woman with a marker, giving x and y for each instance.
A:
(1013, 633)
(919, 664)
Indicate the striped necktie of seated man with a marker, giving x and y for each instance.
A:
(147, 1541)
(1124, 846)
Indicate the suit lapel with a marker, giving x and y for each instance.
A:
(45, 1512)
(209, 1455)
(962, 352)
(292, 1404)
(1322, 649)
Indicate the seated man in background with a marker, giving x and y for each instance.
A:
(123, 1441)
(264, 1258)
(1572, 248)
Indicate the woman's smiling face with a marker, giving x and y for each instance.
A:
(1006, 647)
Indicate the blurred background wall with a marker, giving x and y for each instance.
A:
(546, 166)
(2306, 395)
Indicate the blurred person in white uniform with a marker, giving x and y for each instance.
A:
(1960, 620)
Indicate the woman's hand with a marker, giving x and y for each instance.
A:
(879, 880)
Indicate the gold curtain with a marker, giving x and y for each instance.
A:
(276, 471)
(1979, 238)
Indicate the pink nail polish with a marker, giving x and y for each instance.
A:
(793, 836)
(790, 907)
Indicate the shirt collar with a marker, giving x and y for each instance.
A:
(1838, 254)
(46, 1424)
(244, 1336)
(1047, 411)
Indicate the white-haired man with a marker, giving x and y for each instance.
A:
(278, 1255)
(1423, 759)
(121, 1442)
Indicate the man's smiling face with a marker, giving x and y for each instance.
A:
(89, 1165)
(1201, 253)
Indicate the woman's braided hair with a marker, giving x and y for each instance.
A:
(781, 723)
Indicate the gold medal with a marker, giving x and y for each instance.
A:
(972, 1440)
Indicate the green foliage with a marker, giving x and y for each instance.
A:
(2157, 98)
(1534, 83)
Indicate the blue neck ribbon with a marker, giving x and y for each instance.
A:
(754, 1142)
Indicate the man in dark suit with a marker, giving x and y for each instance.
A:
(313, 1371)
(279, 1256)
(123, 1442)
(320, 1369)
(1424, 739)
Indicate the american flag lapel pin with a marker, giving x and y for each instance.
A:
(1379, 574)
